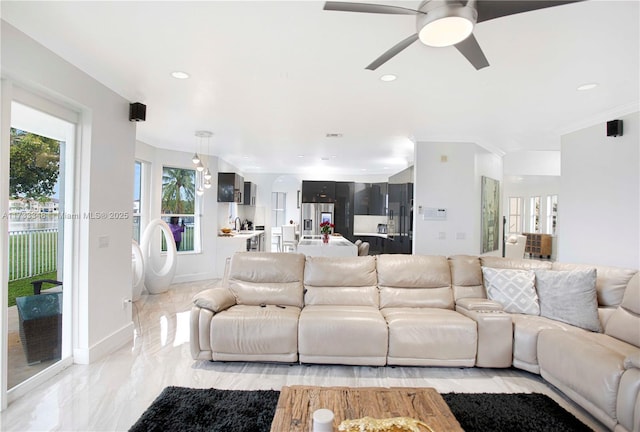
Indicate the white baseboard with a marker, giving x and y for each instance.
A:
(105, 347)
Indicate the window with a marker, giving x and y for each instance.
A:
(515, 214)
(552, 214)
(534, 208)
(179, 207)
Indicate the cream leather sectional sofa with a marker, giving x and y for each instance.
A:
(423, 311)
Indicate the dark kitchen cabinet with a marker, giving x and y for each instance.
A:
(230, 187)
(370, 199)
(400, 213)
(250, 192)
(343, 209)
(378, 199)
(314, 191)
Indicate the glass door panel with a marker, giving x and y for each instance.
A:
(36, 237)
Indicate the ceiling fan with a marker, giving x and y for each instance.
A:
(443, 23)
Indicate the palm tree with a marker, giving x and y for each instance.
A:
(178, 185)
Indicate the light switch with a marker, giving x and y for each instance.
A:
(103, 241)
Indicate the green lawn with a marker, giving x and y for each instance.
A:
(23, 287)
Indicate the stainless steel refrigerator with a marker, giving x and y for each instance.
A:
(313, 214)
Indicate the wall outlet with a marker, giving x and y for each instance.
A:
(125, 302)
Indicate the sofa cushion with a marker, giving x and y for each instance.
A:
(343, 335)
(260, 333)
(269, 278)
(466, 277)
(569, 297)
(514, 289)
(341, 281)
(526, 329)
(508, 263)
(586, 365)
(611, 282)
(624, 322)
(430, 337)
(414, 281)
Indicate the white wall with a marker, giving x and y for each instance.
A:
(522, 163)
(190, 265)
(104, 184)
(453, 184)
(599, 215)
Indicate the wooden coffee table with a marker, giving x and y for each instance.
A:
(297, 404)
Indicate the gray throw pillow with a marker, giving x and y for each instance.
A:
(512, 288)
(569, 296)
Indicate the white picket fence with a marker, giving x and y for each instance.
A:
(32, 252)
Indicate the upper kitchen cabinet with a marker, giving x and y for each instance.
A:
(230, 187)
(250, 192)
(370, 199)
(343, 209)
(378, 199)
(318, 191)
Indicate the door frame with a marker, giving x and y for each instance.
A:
(13, 92)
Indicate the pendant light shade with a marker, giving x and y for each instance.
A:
(199, 166)
(195, 159)
(207, 174)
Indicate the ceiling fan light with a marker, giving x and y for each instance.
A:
(446, 31)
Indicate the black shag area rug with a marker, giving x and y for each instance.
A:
(212, 410)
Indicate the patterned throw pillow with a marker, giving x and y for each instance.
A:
(514, 289)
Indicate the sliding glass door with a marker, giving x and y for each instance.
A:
(39, 225)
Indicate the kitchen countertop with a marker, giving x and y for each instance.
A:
(242, 234)
(369, 234)
(337, 246)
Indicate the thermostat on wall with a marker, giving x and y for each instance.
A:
(433, 213)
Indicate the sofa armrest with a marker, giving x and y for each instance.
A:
(478, 304)
(495, 337)
(632, 361)
(215, 299)
(628, 398)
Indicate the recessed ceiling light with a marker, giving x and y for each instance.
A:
(388, 77)
(334, 135)
(587, 86)
(324, 158)
(300, 156)
(180, 75)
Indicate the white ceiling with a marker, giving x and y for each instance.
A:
(271, 79)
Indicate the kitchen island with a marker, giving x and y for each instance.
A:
(338, 246)
(237, 241)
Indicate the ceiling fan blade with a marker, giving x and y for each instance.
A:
(491, 9)
(472, 51)
(368, 8)
(392, 52)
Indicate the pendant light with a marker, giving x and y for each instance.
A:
(204, 181)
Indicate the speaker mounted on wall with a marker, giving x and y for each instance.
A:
(137, 112)
(614, 128)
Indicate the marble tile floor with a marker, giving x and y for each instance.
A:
(111, 394)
